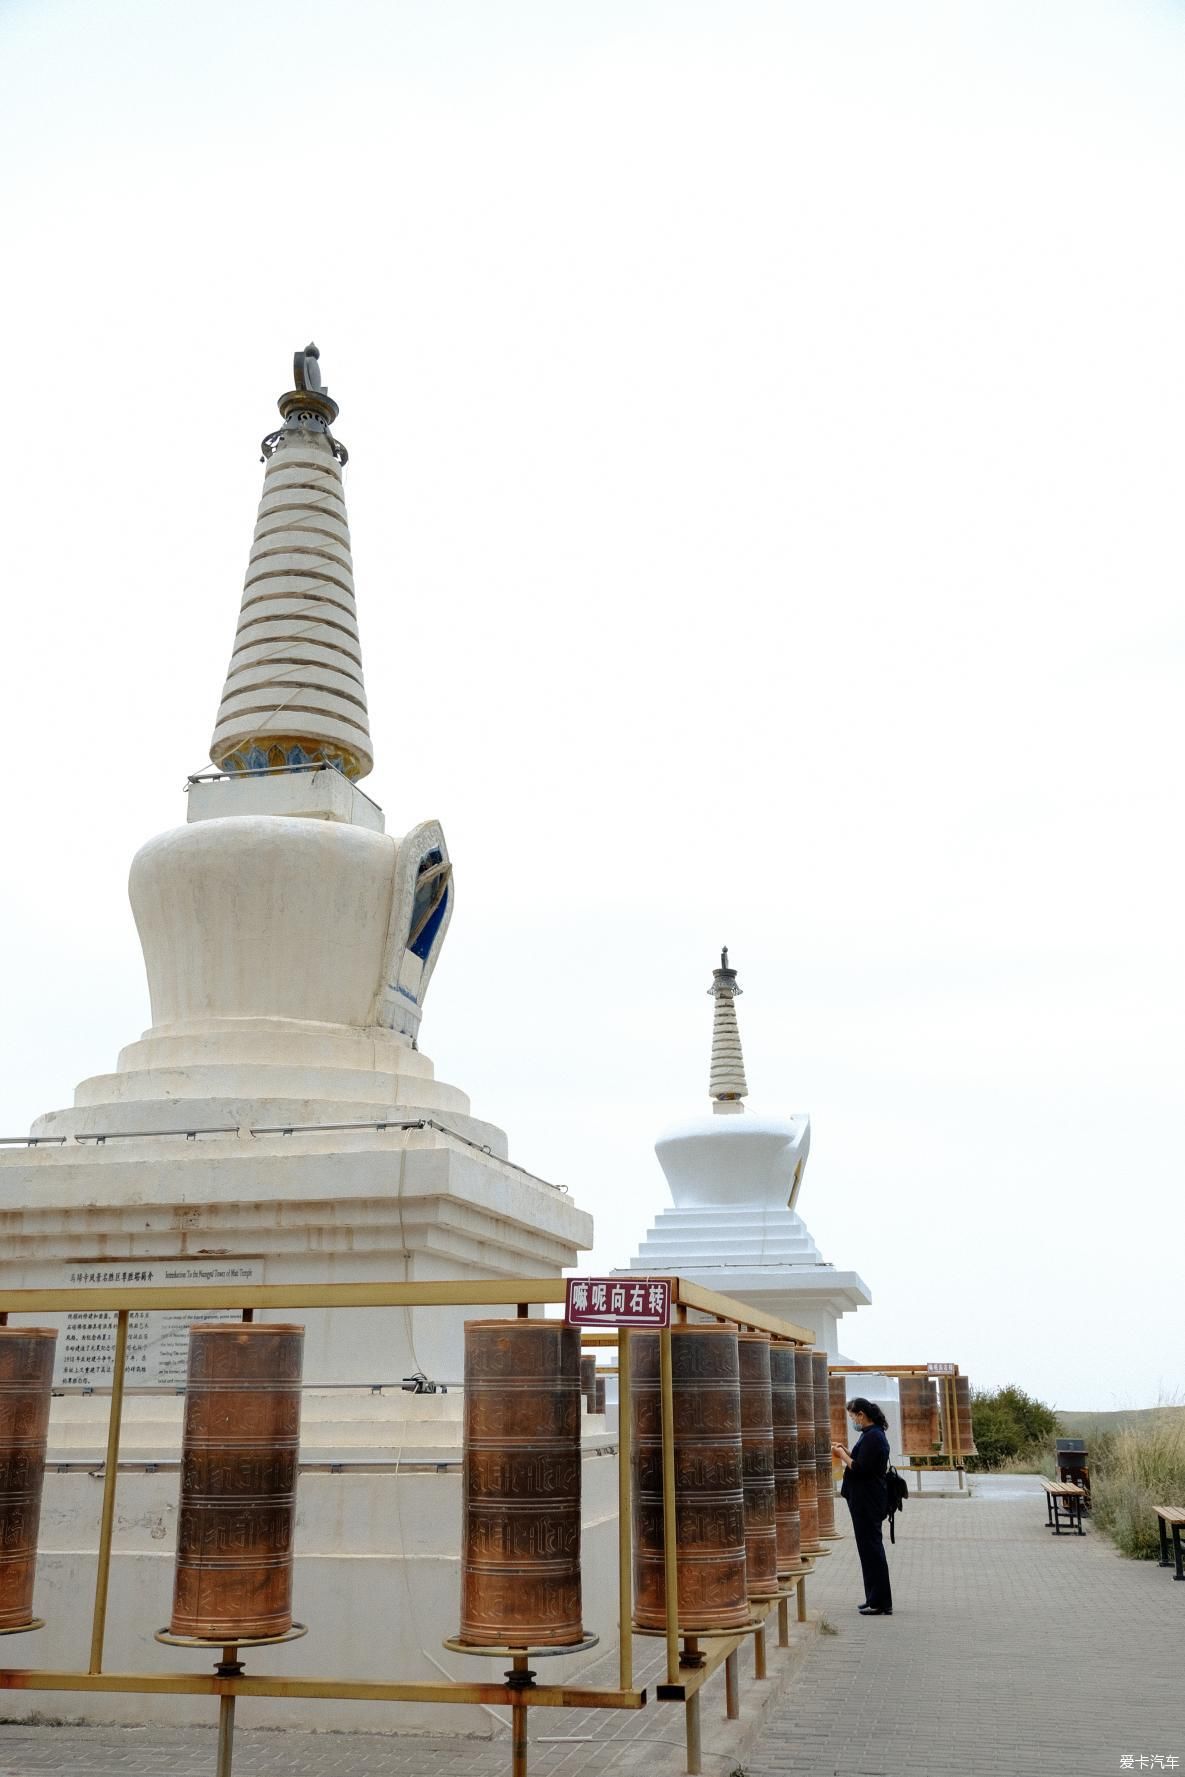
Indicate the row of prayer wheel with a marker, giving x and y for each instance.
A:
(753, 1476)
(233, 1574)
(753, 1488)
(923, 1417)
(752, 1452)
(592, 1386)
(918, 1398)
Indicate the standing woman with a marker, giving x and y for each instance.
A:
(864, 1468)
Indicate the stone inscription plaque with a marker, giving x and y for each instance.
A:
(158, 1343)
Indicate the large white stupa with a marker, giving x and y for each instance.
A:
(278, 1120)
(278, 1124)
(735, 1175)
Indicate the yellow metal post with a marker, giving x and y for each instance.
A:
(670, 1545)
(518, 1726)
(695, 1757)
(732, 1687)
(226, 1736)
(226, 1719)
(107, 1518)
(624, 1518)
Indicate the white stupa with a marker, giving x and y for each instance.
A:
(278, 1122)
(735, 1175)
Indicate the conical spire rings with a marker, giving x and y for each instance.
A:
(294, 693)
(726, 1082)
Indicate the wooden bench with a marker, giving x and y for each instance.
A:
(1171, 1519)
(1063, 1504)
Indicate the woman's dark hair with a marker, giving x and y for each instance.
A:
(870, 1410)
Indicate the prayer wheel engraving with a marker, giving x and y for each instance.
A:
(520, 1511)
(239, 1458)
(757, 1446)
(919, 1415)
(963, 1413)
(808, 1479)
(822, 1405)
(709, 1479)
(785, 1417)
(26, 1373)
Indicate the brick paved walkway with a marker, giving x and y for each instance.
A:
(1009, 1651)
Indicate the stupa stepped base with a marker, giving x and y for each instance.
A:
(764, 1234)
(207, 1074)
(313, 1207)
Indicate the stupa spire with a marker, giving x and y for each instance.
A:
(294, 693)
(726, 1083)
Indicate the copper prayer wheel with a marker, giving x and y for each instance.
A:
(757, 1447)
(825, 1481)
(26, 1373)
(520, 1508)
(785, 1417)
(588, 1381)
(838, 1397)
(963, 1412)
(239, 1457)
(599, 1396)
(709, 1479)
(808, 1477)
(918, 1429)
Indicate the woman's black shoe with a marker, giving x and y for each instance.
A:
(873, 1610)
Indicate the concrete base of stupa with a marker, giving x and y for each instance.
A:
(315, 1206)
(379, 1516)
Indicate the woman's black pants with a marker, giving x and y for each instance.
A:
(870, 1546)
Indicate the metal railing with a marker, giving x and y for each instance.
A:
(100, 1139)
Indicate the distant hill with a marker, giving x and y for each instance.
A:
(1088, 1425)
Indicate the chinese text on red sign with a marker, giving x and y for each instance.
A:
(618, 1302)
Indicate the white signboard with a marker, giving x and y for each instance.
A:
(158, 1343)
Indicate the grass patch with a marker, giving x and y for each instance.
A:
(827, 1627)
(1132, 1471)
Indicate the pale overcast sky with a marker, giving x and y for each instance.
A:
(766, 453)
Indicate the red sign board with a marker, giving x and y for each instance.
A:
(618, 1302)
(941, 1369)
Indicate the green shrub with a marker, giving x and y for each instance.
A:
(1011, 1429)
(1131, 1473)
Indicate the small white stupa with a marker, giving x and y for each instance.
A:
(735, 1175)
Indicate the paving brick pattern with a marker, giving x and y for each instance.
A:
(1009, 1651)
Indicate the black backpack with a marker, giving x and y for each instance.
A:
(898, 1492)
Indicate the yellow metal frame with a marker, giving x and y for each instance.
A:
(520, 1293)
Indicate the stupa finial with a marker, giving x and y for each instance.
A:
(294, 696)
(726, 1083)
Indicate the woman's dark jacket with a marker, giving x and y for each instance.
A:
(863, 1484)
